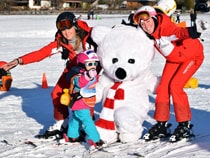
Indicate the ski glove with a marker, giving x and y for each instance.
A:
(65, 53)
(75, 96)
(165, 45)
(195, 31)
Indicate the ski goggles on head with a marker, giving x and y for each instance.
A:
(141, 16)
(93, 63)
(64, 24)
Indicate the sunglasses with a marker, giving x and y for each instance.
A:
(143, 15)
(89, 64)
(64, 24)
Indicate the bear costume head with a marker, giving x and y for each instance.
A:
(122, 50)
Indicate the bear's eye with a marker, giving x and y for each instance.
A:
(114, 60)
(131, 61)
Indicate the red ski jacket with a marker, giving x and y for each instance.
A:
(183, 46)
(167, 28)
(52, 47)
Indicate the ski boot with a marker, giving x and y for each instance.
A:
(183, 130)
(56, 131)
(159, 130)
(95, 146)
(67, 139)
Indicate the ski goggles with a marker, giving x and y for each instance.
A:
(141, 16)
(89, 64)
(64, 24)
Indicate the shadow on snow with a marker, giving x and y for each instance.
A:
(36, 103)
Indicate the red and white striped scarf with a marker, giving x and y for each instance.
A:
(106, 119)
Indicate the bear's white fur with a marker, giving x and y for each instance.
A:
(125, 54)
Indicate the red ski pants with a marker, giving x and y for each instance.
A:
(60, 111)
(174, 78)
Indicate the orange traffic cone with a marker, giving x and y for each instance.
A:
(44, 81)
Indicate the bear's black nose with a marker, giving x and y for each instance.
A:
(120, 73)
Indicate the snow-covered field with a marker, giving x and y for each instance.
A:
(26, 110)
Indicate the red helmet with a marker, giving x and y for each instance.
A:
(88, 55)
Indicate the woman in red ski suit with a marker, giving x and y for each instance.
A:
(184, 55)
(69, 45)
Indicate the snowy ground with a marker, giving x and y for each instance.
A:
(26, 109)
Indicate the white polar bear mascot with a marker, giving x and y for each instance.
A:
(125, 54)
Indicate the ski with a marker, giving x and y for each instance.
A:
(49, 135)
(119, 146)
(88, 152)
(115, 147)
(34, 143)
(28, 142)
(137, 154)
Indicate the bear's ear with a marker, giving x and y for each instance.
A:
(98, 33)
